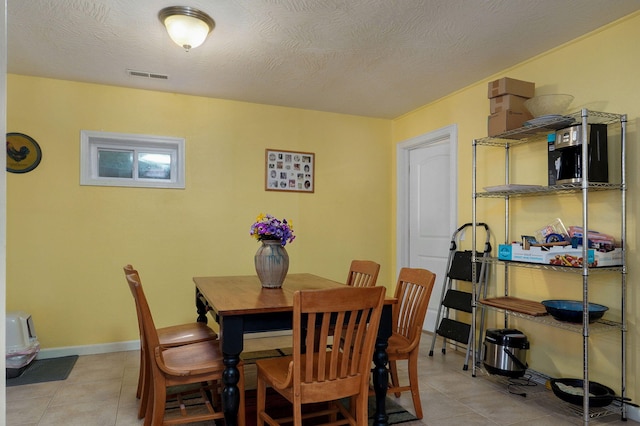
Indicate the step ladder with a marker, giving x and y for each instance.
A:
(453, 298)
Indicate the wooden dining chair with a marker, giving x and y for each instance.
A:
(318, 372)
(413, 292)
(363, 273)
(198, 364)
(171, 336)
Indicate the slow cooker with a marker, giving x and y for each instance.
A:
(505, 352)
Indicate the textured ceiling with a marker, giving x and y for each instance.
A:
(378, 58)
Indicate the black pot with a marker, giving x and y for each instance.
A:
(602, 395)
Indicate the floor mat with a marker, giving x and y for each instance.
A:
(396, 413)
(45, 370)
(253, 356)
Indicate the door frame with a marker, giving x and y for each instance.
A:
(402, 176)
(3, 203)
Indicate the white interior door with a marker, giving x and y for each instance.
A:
(430, 207)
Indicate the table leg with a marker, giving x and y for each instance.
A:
(380, 372)
(201, 308)
(231, 393)
(232, 344)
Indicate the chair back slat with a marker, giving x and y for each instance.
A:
(363, 273)
(337, 368)
(347, 321)
(310, 343)
(347, 333)
(321, 365)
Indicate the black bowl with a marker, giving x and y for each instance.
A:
(571, 310)
(600, 395)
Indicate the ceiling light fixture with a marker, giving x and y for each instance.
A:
(188, 27)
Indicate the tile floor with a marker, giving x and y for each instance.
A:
(101, 391)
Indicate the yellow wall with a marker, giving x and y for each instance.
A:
(66, 243)
(600, 70)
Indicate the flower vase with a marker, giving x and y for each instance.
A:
(272, 263)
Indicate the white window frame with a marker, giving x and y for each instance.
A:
(92, 141)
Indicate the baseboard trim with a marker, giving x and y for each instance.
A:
(633, 413)
(132, 345)
(103, 348)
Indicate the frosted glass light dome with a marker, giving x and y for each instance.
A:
(187, 27)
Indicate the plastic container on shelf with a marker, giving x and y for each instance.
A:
(553, 232)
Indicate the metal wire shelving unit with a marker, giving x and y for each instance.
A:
(537, 134)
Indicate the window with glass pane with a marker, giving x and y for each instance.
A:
(154, 166)
(115, 164)
(117, 159)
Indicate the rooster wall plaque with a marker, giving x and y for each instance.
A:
(23, 153)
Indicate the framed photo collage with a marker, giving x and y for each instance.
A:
(289, 171)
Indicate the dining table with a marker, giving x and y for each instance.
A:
(240, 305)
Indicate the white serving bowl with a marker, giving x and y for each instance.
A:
(542, 105)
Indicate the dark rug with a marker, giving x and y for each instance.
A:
(45, 370)
(253, 356)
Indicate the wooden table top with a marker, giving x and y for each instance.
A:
(238, 295)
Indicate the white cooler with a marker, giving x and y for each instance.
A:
(22, 343)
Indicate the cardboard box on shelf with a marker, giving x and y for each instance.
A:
(510, 86)
(505, 102)
(559, 255)
(502, 121)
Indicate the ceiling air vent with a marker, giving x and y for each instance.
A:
(145, 74)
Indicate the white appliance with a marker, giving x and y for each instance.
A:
(22, 344)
